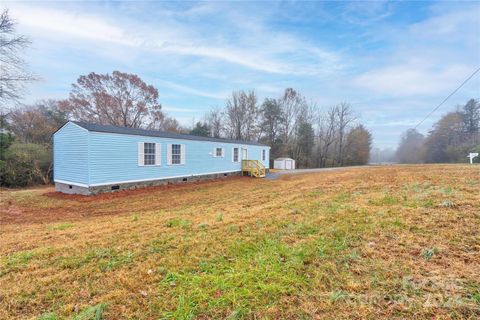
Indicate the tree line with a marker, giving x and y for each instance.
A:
(451, 138)
(292, 127)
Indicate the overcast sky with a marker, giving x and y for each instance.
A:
(393, 62)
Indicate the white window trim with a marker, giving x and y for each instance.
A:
(158, 154)
(238, 154)
(140, 150)
(141, 154)
(182, 155)
(215, 152)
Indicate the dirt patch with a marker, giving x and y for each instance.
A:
(70, 206)
(13, 211)
(139, 191)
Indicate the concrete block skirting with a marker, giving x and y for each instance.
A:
(72, 189)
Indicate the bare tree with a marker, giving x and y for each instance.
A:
(251, 109)
(235, 116)
(327, 129)
(13, 73)
(36, 123)
(215, 119)
(293, 127)
(168, 124)
(291, 104)
(306, 113)
(345, 118)
(119, 99)
(241, 115)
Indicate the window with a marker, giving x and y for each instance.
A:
(235, 154)
(176, 154)
(149, 153)
(263, 155)
(218, 152)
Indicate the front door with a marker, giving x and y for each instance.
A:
(244, 154)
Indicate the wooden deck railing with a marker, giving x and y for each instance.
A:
(253, 168)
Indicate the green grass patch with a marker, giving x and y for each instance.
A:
(61, 226)
(203, 225)
(342, 197)
(399, 224)
(331, 246)
(48, 316)
(91, 313)
(333, 207)
(182, 223)
(338, 296)
(259, 272)
(304, 229)
(159, 245)
(315, 193)
(473, 292)
(386, 200)
(15, 261)
(104, 258)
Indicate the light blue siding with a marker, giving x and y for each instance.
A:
(70, 154)
(96, 158)
(114, 158)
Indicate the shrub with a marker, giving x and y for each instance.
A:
(26, 164)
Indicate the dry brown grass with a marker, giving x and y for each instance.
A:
(388, 242)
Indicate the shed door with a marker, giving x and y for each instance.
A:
(288, 164)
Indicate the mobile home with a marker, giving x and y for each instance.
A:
(91, 158)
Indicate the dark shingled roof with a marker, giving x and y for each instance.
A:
(155, 133)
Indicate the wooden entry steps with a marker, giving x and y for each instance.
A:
(254, 168)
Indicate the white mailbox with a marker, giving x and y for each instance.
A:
(472, 156)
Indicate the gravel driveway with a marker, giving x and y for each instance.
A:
(278, 174)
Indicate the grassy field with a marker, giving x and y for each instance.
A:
(387, 242)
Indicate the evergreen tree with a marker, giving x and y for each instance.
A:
(305, 142)
(201, 129)
(357, 147)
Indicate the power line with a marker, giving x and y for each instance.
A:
(451, 94)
